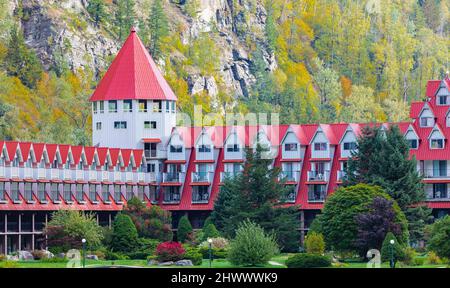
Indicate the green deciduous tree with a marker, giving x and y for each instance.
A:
(439, 233)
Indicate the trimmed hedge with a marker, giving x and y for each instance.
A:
(305, 260)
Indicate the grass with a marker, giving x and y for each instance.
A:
(217, 263)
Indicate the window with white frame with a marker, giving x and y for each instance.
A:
(426, 121)
(142, 105)
(15, 191)
(67, 192)
(176, 148)
(233, 148)
(129, 194)
(117, 193)
(54, 191)
(101, 106)
(41, 192)
(28, 191)
(290, 147)
(204, 148)
(350, 146)
(93, 192)
(105, 193)
(413, 143)
(120, 124)
(127, 106)
(94, 107)
(2, 191)
(79, 192)
(98, 126)
(320, 146)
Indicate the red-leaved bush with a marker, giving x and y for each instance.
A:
(170, 251)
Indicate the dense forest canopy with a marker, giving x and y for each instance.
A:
(347, 60)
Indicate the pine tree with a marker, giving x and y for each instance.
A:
(184, 229)
(124, 17)
(158, 27)
(20, 61)
(255, 195)
(124, 234)
(96, 9)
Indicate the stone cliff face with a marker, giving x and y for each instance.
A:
(61, 34)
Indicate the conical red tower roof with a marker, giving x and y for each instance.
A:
(133, 75)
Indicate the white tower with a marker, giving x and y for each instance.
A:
(133, 105)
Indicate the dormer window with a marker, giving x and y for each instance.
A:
(426, 121)
(350, 146)
(233, 148)
(204, 148)
(320, 146)
(290, 147)
(55, 163)
(112, 106)
(437, 143)
(413, 143)
(15, 162)
(176, 148)
(443, 100)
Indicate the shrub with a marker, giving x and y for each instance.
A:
(54, 260)
(439, 233)
(433, 258)
(109, 255)
(101, 253)
(217, 243)
(305, 260)
(2, 257)
(170, 251)
(314, 243)
(145, 247)
(251, 246)
(184, 231)
(124, 235)
(194, 255)
(409, 255)
(418, 261)
(386, 251)
(210, 231)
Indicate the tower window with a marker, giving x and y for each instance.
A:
(157, 106)
(112, 106)
(142, 105)
(127, 106)
(102, 106)
(94, 107)
(150, 124)
(173, 106)
(167, 106)
(98, 125)
(120, 125)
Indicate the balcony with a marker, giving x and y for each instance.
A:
(92, 175)
(150, 153)
(316, 193)
(27, 172)
(435, 173)
(128, 176)
(173, 177)
(54, 173)
(171, 197)
(318, 175)
(201, 177)
(116, 176)
(67, 174)
(341, 175)
(200, 196)
(79, 174)
(228, 175)
(103, 175)
(290, 176)
(14, 172)
(41, 173)
(290, 196)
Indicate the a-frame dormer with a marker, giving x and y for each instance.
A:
(426, 116)
(412, 138)
(436, 138)
(442, 94)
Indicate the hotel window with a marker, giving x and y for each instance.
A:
(151, 168)
(439, 190)
(157, 106)
(290, 147)
(55, 164)
(112, 106)
(54, 192)
(233, 148)
(67, 193)
(150, 124)
(426, 122)
(41, 192)
(129, 192)
(94, 107)
(102, 106)
(142, 105)
(443, 100)
(141, 192)
(28, 191)
(120, 125)
(349, 146)
(79, 192)
(173, 106)
(437, 143)
(167, 106)
(105, 193)
(15, 191)
(153, 194)
(413, 143)
(176, 148)
(117, 193)
(2, 191)
(98, 125)
(204, 148)
(320, 146)
(127, 106)
(15, 162)
(93, 192)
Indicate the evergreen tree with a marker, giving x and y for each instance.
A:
(124, 17)
(158, 27)
(184, 232)
(210, 231)
(96, 9)
(124, 235)
(389, 250)
(255, 195)
(20, 61)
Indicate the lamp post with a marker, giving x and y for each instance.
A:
(391, 262)
(210, 251)
(84, 252)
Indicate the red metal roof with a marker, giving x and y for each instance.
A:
(133, 75)
(11, 148)
(25, 148)
(89, 154)
(64, 153)
(51, 151)
(137, 155)
(38, 149)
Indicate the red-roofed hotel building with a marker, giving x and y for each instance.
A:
(139, 152)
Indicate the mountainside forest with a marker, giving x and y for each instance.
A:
(309, 60)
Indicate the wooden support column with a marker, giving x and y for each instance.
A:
(20, 232)
(46, 222)
(32, 231)
(302, 227)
